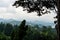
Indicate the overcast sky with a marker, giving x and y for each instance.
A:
(7, 11)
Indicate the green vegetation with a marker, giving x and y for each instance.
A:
(26, 32)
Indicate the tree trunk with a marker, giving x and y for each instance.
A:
(58, 19)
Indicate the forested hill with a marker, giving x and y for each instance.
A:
(9, 32)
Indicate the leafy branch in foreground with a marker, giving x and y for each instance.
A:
(36, 5)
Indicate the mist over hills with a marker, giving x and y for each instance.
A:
(15, 22)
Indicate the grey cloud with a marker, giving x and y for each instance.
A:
(5, 3)
(11, 11)
(7, 10)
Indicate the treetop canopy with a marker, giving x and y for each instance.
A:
(36, 5)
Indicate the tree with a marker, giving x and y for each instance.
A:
(2, 27)
(20, 32)
(8, 29)
(32, 5)
(37, 5)
(34, 33)
(58, 17)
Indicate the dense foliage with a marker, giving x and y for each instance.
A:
(26, 32)
(36, 5)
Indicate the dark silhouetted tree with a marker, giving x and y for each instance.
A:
(20, 32)
(36, 5)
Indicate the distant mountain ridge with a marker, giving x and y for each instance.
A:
(14, 22)
(11, 21)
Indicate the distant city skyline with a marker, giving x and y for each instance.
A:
(7, 11)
